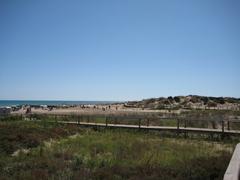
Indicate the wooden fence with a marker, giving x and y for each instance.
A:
(178, 124)
(233, 170)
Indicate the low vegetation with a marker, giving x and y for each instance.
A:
(16, 134)
(187, 102)
(53, 151)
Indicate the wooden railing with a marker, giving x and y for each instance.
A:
(178, 124)
(233, 170)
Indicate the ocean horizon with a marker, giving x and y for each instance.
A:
(51, 102)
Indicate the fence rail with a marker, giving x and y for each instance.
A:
(177, 124)
(233, 170)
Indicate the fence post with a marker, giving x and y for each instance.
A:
(106, 121)
(222, 129)
(177, 125)
(185, 125)
(139, 123)
(147, 122)
(222, 126)
(228, 125)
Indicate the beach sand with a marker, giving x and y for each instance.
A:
(118, 109)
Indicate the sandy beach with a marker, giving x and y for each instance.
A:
(118, 109)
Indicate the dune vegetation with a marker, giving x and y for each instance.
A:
(48, 150)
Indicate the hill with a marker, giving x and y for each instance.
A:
(188, 102)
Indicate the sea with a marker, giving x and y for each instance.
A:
(4, 103)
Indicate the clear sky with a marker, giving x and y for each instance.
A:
(118, 49)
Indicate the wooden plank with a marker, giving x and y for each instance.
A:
(233, 170)
(169, 128)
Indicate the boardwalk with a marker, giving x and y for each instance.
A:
(159, 128)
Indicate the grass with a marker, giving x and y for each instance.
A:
(69, 152)
(26, 134)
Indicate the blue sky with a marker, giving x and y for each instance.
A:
(118, 50)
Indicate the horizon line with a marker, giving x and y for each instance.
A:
(116, 100)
